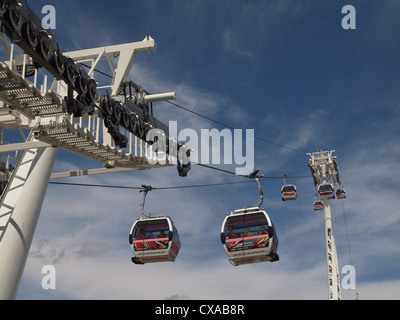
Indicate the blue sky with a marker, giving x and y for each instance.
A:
(286, 69)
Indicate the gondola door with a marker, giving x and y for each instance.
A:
(233, 237)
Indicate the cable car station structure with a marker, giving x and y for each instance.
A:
(55, 96)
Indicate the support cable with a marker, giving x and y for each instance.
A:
(162, 188)
(141, 188)
(348, 242)
(246, 176)
(230, 127)
(211, 119)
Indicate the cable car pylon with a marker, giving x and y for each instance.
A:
(20, 208)
(324, 168)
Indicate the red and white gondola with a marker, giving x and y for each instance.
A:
(289, 192)
(318, 205)
(154, 239)
(249, 236)
(326, 191)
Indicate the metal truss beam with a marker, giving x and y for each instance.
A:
(23, 146)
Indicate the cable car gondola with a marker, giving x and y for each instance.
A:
(318, 205)
(288, 191)
(326, 191)
(154, 238)
(341, 194)
(248, 235)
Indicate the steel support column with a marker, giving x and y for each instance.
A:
(19, 211)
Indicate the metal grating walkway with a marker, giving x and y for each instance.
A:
(47, 115)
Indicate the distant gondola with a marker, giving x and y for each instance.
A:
(289, 192)
(326, 191)
(318, 205)
(341, 194)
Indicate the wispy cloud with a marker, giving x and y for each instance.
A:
(232, 44)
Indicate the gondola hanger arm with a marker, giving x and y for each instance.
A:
(145, 190)
(260, 188)
(256, 177)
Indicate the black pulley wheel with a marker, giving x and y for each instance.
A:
(30, 35)
(3, 7)
(45, 47)
(92, 90)
(118, 110)
(110, 122)
(83, 99)
(102, 104)
(140, 129)
(14, 17)
(133, 121)
(106, 105)
(109, 106)
(81, 84)
(58, 61)
(125, 120)
(70, 71)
